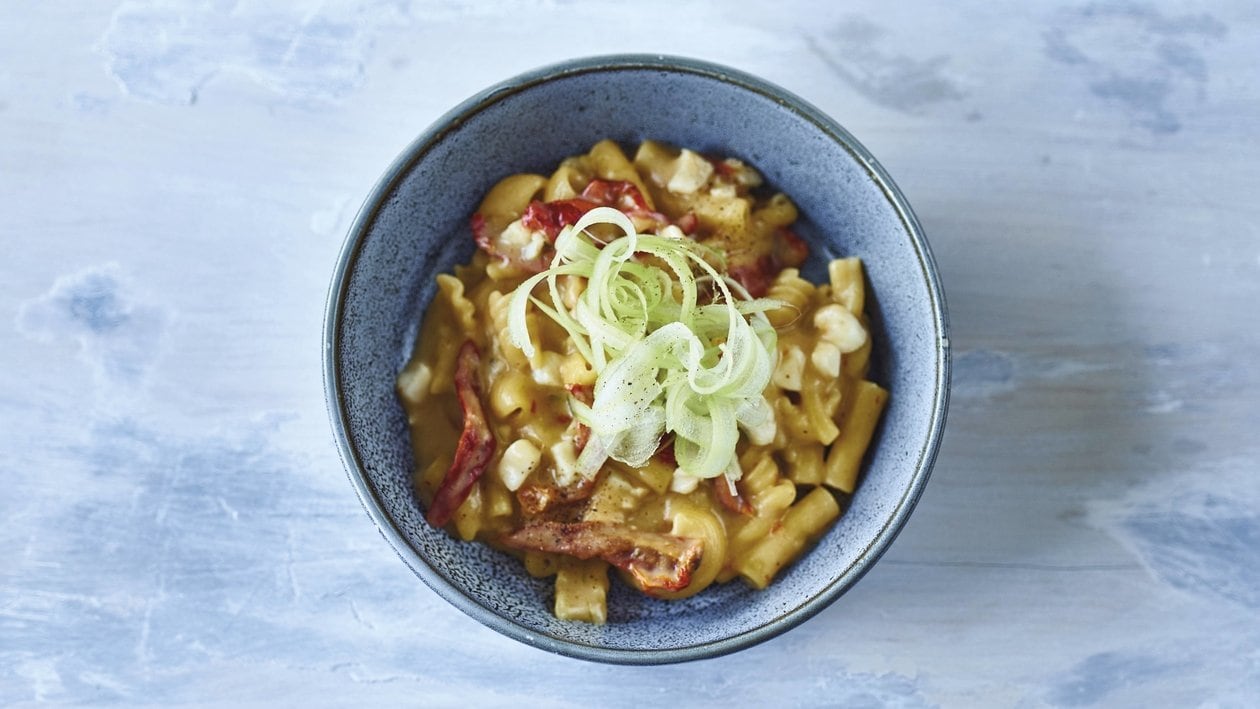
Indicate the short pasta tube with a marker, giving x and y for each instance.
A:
(856, 429)
(452, 315)
(468, 517)
(507, 200)
(805, 463)
(777, 212)
(847, 286)
(582, 590)
(820, 400)
(794, 293)
(770, 505)
(802, 524)
(566, 182)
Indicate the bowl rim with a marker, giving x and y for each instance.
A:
(452, 119)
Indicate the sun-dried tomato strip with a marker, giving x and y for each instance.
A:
(543, 495)
(481, 232)
(665, 451)
(584, 393)
(732, 500)
(790, 250)
(551, 217)
(688, 222)
(476, 442)
(627, 198)
(615, 193)
(657, 562)
(756, 274)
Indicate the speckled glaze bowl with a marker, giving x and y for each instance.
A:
(414, 225)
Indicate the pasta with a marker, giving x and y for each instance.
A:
(535, 429)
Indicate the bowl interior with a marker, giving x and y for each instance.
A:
(415, 225)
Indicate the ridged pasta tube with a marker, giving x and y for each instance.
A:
(804, 522)
(582, 590)
(793, 292)
(856, 428)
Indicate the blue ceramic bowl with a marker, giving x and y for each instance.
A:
(414, 225)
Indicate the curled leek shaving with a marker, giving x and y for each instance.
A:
(679, 348)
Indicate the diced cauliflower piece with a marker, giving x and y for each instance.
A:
(564, 455)
(523, 240)
(840, 327)
(826, 358)
(691, 172)
(683, 483)
(671, 231)
(546, 368)
(518, 461)
(741, 173)
(760, 427)
(791, 369)
(414, 383)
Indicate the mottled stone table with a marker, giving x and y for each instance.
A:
(176, 179)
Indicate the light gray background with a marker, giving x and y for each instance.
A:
(176, 179)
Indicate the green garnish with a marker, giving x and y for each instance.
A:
(669, 358)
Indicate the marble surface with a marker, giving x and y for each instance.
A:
(176, 180)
